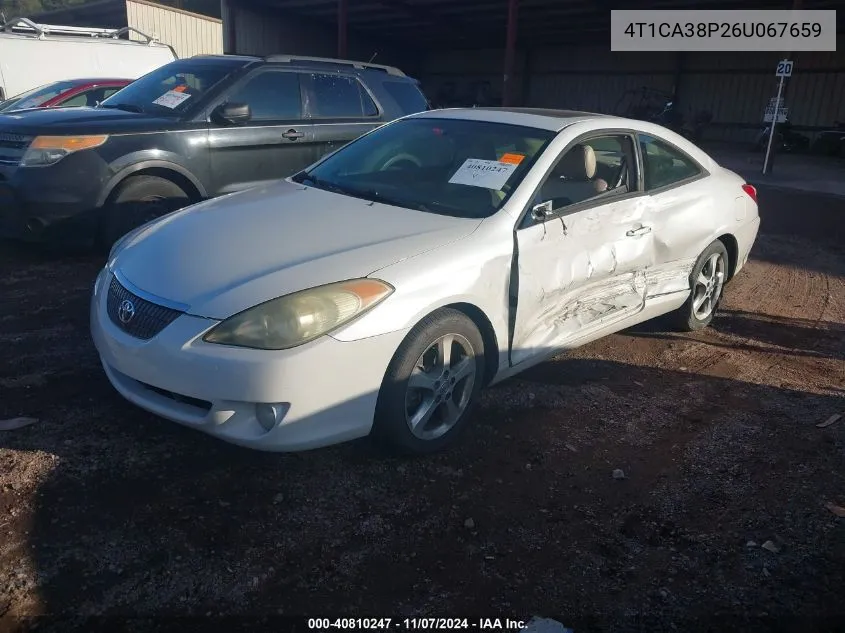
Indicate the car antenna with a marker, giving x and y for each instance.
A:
(372, 58)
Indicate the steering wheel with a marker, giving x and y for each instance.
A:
(401, 161)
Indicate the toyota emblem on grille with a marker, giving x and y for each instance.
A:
(126, 311)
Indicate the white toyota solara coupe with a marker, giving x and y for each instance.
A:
(378, 291)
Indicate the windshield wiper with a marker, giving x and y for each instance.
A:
(304, 178)
(128, 107)
(372, 195)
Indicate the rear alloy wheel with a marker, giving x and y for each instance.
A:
(707, 282)
(138, 200)
(431, 384)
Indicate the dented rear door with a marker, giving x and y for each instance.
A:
(580, 273)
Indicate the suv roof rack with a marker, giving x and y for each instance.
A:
(41, 30)
(390, 70)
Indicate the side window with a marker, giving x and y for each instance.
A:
(595, 168)
(407, 95)
(76, 101)
(107, 92)
(271, 95)
(340, 97)
(663, 164)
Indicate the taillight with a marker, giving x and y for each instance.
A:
(751, 191)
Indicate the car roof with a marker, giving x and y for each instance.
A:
(85, 81)
(542, 118)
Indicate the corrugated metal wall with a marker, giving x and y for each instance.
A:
(188, 33)
(259, 31)
(735, 87)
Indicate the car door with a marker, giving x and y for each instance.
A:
(679, 202)
(583, 249)
(275, 143)
(340, 108)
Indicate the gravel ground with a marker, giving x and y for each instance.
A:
(650, 481)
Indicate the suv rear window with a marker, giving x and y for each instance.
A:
(407, 95)
(341, 97)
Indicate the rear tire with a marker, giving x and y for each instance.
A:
(707, 281)
(431, 385)
(136, 201)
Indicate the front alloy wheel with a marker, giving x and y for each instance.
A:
(440, 387)
(431, 384)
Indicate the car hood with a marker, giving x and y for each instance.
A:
(83, 120)
(228, 254)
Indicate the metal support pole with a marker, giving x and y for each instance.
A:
(341, 28)
(227, 12)
(772, 129)
(510, 54)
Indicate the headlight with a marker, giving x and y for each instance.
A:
(48, 150)
(300, 317)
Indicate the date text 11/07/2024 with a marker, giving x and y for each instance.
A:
(416, 624)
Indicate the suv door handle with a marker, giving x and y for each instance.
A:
(292, 135)
(639, 231)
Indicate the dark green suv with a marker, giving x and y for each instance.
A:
(192, 129)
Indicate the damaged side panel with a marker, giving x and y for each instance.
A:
(670, 277)
(578, 274)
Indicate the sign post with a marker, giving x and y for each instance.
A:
(783, 71)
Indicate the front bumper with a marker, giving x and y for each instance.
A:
(58, 202)
(326, 390)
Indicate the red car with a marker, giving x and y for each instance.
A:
(68, 93)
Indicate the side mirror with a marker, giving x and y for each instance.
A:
(541, 212)
(231, 113)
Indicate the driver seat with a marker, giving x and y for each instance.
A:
(573, 178)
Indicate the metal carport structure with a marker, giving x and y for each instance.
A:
(542, 52)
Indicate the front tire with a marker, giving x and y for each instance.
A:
(136, 201)
(431, 385)
(707, 282)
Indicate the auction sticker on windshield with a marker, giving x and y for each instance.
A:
(171, 99)
(490, 174)
(512, 158)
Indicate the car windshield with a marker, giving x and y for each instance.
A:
(35, 97)
(449, 166)
(169, 90)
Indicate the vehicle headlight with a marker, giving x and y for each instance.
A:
(300, 317)
(48, 150)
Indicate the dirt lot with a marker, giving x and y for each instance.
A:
(106, 510)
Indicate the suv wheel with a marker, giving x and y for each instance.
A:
(136, 201)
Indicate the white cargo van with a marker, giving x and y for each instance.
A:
(32, 55)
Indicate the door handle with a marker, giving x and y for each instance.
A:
(639, 231)
(292, 135)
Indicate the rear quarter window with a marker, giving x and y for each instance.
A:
(340, 96)
(407, 95)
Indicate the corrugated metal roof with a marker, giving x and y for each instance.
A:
(452, 24)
